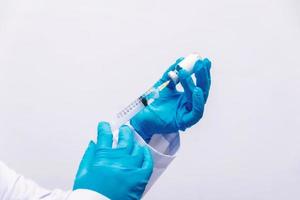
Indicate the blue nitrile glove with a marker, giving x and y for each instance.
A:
(175, 110)
(118, 173)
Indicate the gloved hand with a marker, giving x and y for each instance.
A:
(117, 173)
(175, 110)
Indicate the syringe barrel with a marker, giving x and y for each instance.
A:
(187, 64)
(124, 116)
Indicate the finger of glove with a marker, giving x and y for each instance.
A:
(138, 155)
(84, 164)
(187, 83)
(148, 161)
(87, 157)
(196, 113)
(105, 136)
(202, 74)
(125, 139)
(166, 77)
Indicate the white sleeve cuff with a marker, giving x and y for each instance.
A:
(81, 194)
(163, 149)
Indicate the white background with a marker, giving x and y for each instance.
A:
(66, 64)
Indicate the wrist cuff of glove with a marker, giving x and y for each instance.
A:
(146, 137)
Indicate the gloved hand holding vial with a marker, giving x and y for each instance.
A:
(152, 111)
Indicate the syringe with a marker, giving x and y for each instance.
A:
(150, 95)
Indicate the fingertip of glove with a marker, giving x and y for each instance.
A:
(207, 63)
(179, 59)
(183, 74)
(124, 127)
(91, 143)
(125, 130)
(103, 126)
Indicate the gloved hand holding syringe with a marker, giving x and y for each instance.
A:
(150, 95)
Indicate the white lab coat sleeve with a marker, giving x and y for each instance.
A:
(163, 149)
(15, 187)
